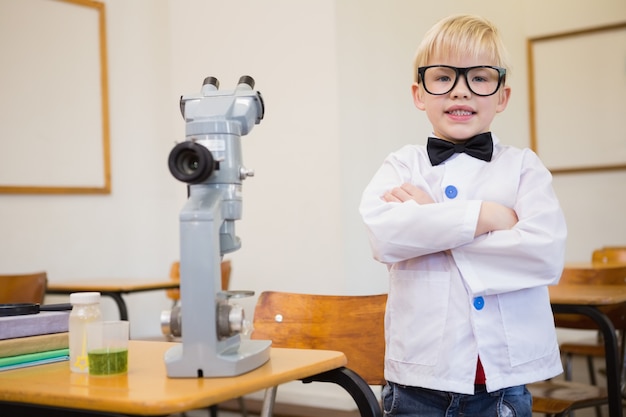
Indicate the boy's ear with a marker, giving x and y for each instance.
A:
(416, 92)
(503, 100)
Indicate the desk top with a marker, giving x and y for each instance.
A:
(121, 285)
(597, 295)
(146, 389)
(594, 265)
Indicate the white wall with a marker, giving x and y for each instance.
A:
(335, 76)
(593, 202)
(126, 233)
(291, 231)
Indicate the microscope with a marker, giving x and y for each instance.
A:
(209, 162)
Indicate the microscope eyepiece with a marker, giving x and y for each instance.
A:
(213, 81)
(246, 79)
(191, 162)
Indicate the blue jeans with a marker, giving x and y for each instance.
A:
(403, 401)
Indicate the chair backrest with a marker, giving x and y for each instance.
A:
(609, 255)
(353, 325)
(23, 288)
(606, 274)
(174, 294)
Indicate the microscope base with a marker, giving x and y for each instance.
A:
(250, 355)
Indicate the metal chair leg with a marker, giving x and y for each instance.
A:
(242, 407)
(568, 366)
(592, 370)
(268, 402)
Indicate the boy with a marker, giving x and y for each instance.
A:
(472, 234)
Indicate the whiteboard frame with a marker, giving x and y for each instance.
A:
(46, 164)
(534, 73)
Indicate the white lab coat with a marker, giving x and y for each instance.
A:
(453, 297)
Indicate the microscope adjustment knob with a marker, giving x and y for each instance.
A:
(245, 173)
(172, 323)
(236, 318)
(229, 320)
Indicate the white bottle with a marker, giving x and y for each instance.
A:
(85, 309)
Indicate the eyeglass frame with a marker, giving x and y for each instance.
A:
(459, 70)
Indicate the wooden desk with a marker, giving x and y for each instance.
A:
(593, 265)
(114, 288)
(585, 300)
(146, 389)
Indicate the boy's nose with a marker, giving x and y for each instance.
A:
(461, 89)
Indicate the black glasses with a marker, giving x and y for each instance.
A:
(482, 80)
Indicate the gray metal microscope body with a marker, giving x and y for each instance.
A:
(209, 160)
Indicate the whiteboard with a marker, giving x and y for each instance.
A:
(53, 107)
(577, 84)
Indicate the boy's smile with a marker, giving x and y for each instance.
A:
(460, 114)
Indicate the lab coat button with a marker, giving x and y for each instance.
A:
(479, 303)
(451, 191)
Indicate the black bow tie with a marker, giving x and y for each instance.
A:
(480, 146)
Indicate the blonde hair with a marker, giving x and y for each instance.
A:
(461, 35)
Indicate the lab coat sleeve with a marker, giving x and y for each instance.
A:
(401, 231)
(531, 254)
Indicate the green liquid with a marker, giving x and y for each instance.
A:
(108, 361)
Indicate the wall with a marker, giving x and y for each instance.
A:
(335, 76)
(129, 233)
(592, 202)
(290, 229)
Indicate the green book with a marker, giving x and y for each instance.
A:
(30, 359)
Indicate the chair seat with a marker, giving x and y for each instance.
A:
(556, 397)
(589, 347)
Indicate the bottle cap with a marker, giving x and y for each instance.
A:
(84, 298)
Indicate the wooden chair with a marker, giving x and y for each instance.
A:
(558, 398)
(591, 348)
(23, 288)
(353, 325)
(174, 294)
(609, 255)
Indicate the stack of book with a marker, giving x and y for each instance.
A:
(33, 339)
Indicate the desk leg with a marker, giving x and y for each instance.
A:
(121, 304)
(358, 389)
(610, 351)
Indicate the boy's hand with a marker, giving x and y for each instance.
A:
(407, 192)
(495, 216)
